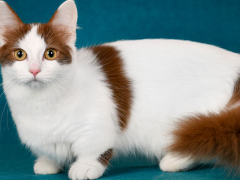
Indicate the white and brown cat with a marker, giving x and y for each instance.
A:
(175, 100)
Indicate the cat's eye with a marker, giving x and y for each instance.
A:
(50, 54)
(20, 55)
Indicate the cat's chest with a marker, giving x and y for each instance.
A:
(39, 120)
(39, 130)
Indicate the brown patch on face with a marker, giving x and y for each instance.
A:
(112, 66)
(56, 38)
(105, 157)
(11, 36)
(212, 136)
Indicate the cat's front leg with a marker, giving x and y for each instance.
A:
(44, 165)
(90, 167)
(93, 150)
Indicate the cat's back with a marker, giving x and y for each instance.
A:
(172, 79)
(176, 73)
(175, 61)
(172, 51)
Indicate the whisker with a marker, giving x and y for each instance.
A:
(56, 88)
(7, 117)
(1, 119)
(7, 89)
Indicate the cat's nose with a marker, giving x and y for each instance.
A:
(34, 71)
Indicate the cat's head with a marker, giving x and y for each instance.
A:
(36, 54)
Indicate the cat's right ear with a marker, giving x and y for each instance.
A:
(8, 20)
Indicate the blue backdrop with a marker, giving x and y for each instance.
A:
(215, 22)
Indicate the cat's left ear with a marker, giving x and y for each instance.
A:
(66, 17)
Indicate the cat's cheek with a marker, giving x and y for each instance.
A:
(8, 73)
(20, 66)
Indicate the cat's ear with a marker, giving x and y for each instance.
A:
(8, 19)
(66, 17)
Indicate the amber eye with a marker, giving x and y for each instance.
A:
(50, 54)
(20, 55)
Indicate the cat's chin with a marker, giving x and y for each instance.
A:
(36, 84)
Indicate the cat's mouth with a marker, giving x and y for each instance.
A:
(35, 83)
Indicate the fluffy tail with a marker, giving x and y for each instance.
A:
(210, 137)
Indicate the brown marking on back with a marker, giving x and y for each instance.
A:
(56, 38)
(11, 36)
(112, 66)
(105, 157)
(212, 136)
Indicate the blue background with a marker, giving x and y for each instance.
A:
(215, 22)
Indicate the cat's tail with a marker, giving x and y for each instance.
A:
(210, 137)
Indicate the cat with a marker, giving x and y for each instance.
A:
(174, 100)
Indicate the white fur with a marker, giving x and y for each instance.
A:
(174, 163)
(45, 166)
(71, 114)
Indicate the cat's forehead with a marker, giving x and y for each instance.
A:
(32, 42)
(33, 36)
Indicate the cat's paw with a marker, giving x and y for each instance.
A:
(88, 170)
(45, 166)
(174, 163)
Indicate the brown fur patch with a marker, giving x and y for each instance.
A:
(112, 65)
(213, 136)
(56, 38)
(11, 36)
(105, 157)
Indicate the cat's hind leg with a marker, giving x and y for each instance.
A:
(46, 166)
(174, 163)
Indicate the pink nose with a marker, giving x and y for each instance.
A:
(34, 71)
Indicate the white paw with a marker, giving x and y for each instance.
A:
(173, 163)
(81, 170)
(45, 166)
